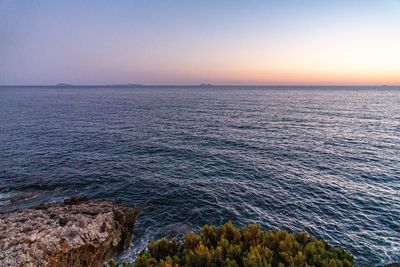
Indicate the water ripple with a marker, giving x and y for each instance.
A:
(321, 160)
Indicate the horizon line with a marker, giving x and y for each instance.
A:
(67, 85)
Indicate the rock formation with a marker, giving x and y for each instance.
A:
(76, 232)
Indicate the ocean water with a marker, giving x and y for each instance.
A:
(322, 160)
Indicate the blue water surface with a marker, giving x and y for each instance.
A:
(325, 160)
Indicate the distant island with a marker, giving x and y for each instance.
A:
(103, 85)
(127, 85)
(64, 85)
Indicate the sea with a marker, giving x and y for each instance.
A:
(325, 160)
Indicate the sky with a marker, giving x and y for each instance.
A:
(330, 42)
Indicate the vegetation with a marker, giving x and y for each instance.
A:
(229, 246)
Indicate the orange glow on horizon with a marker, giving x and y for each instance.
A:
(260, 42)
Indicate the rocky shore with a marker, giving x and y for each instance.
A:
(75, 232)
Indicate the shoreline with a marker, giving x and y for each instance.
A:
(77, 231)
(74, 232)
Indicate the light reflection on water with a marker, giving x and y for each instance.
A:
(321, 160)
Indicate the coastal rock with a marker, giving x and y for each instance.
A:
(76, 232)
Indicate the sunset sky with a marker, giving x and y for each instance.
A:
(190, 42)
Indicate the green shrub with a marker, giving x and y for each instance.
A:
(229, 246)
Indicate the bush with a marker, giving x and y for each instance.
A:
(229, 246)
